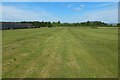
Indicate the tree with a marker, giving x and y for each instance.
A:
(58, 22)
(118, 24)
(88, 23)
(49, 24)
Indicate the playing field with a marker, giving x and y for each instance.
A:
(60, 53)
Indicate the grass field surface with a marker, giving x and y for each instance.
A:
(60, 53)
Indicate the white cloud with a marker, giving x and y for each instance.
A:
(105, 5)
(82, 5)
(13, 13)
(69, 6)
(109, 16)
(77, 9)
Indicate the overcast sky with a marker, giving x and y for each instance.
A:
(60, 11)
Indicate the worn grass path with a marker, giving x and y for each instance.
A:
(60, 53)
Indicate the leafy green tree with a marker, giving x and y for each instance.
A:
(58, 22)
(49, 24)
(118, 24)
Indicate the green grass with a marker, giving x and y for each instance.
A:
(60, 53)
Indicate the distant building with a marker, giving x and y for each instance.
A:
(14, 25)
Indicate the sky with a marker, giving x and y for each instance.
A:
(60, 0)
(60, 11)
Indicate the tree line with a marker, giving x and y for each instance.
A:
(38, 24)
